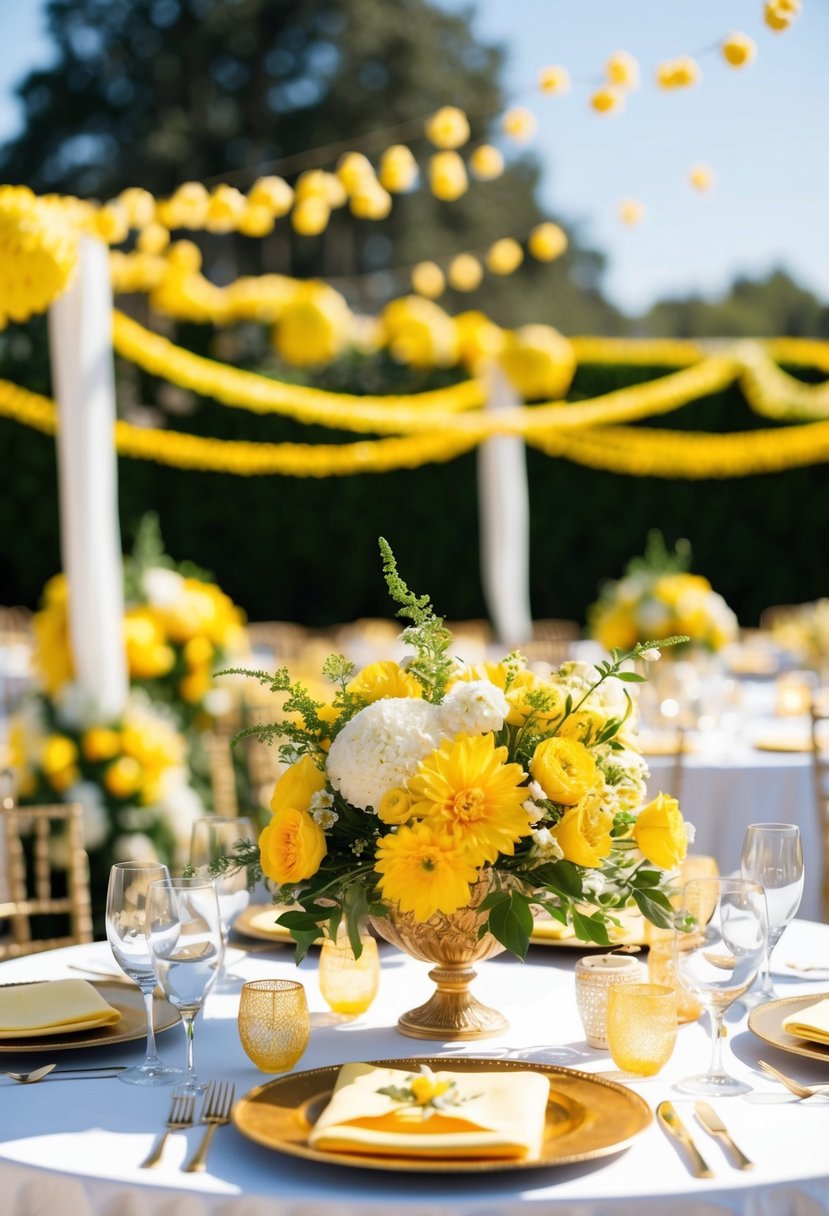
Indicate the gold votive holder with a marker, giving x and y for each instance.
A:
(596, 974)
(274, 1023)
(349, 984)
(641, 1026)
(793, 693)
(662, 970)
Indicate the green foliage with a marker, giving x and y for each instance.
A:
(427, 635)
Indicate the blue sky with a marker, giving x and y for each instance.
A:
(763, 130)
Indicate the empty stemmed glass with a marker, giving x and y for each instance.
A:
(214, 837)
(773, 856)
(718, 959)
(184, 936)
(125, 918)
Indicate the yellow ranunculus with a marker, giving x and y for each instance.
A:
(615, 627)
(52, 649)
(148, 656)
(564, 769)
(584, 724)
(58, 753)
(659, 832)
(198, 652)
(292, 846)
(423, 871)
(583, 833)
(100, 743)
(395, 807)
(296, 786)
(384, 679)
(124, 777)
(195, 686)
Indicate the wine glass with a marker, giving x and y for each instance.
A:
(184, 935)
(718, 959)
(214, 837)
(125, 914)
(773, 856)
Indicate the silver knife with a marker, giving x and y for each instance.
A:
(714, 1125)
(675, 1128)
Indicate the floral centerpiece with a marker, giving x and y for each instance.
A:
(802, 630)
(422, 789)
(657, 598)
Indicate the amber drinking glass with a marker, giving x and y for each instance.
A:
(274, 1023)
(641, 1026)
(349, 984)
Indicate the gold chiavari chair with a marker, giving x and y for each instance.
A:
(47, 875)
(820, 769)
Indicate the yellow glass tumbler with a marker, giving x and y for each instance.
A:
(274, 1023)
(641, 1026)
(349, 984)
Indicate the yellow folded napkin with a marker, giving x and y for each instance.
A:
(810, 1023)
(547, 929)
(392, 1112)
(52, 1007)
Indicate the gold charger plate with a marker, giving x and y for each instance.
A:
(586, 1116)
(766, 1021)
(259, 921)
(129, 1002)
(781, 743)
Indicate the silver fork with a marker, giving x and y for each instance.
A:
(182, 1110)
(218, 1103)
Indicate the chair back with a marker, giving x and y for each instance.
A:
(47, 875)
(819, 707)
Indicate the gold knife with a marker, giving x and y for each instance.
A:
(674, 1126)
(714, 1125)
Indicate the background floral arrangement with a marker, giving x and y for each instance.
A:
(803, 631)
(659, 598)
(416, 781)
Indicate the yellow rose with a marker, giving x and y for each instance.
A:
(426, 1087)
(384, 679)
(564, 769)
(615, 628)
(584, 833)
(198, 652)
(292, 846)
(58, 753)
(195, 686)
(520, 709)
(296, 786)
(395, 806)
(123, 777)
(659, 832)
(99, 743)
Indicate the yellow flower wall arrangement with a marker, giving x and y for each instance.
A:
(444, 803)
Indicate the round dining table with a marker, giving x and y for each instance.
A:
(73, 1147)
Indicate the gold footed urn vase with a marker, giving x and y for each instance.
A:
(452, 944)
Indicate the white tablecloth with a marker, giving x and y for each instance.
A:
(74, 1147)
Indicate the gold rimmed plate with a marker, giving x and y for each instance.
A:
(132, 1025)
(586, 1117)
(766, 1021)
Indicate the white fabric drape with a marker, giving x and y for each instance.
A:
(80, 326)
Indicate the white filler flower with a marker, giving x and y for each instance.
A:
(473, 708)
(381, 747)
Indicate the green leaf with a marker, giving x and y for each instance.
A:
(511, 923)
(630, 677)
(560, 877)
(590, 928)
(655, 907)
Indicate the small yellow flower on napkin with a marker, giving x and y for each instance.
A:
(393, 1112)
(810, 1023)
(52, 1007)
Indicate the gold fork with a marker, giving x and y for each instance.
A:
(182, 1110)
(218, 1103)
(794, 1087)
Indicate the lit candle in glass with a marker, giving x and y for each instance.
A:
(595, 975)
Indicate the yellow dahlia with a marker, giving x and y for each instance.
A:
(38, 252)
(467, 788)
(424, 871)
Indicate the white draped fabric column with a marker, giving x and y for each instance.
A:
(80, 336)
(504, 514)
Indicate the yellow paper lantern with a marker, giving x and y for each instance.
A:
(447, 176)
(622, 70)
(554, 80)
(310, 216)
(273, 193)
(353, 169)
(465, 272)
(448, 128)
(420, 333)
(486, 163)
(428, 280)
(519, 124)
(539, 361)
(370, 201)
(547, 242)
(738, 50)
(607, 99)
(701, 178)
(314, 327)
(678, 73)
(398, 169)
(631, 212)
(504, 256)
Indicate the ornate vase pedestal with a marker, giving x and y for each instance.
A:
(451, 942)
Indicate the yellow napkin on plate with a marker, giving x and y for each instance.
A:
(470, 1114)
(810, 1023)
(546, 929)
(53, 1007)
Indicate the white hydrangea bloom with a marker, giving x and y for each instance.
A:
(473, 708)
(381, 747)
(161, 587)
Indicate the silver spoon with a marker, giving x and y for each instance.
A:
(37, 1074)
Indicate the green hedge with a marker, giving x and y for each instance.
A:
(306, 549)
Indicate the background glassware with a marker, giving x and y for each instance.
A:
(125, 916)
(212, 837)
(641, 1026)
(184, 935)
(773, 856)
(274, 1023)
(595, 974)
(349, 984)
(718, 960)
(662, 970)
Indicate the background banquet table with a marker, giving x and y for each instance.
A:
(75, 1146)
